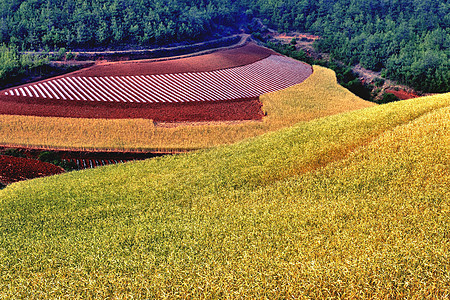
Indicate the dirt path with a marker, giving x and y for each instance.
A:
(305, 42)
(154, 53)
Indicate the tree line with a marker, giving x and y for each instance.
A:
(38, 24)
(407, 40)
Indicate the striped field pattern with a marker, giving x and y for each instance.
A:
(92, 163)
(267, 75)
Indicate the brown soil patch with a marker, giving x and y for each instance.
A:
(297, 35)
(222, 59)
(13, 169)
(240, 109)
(402, 95)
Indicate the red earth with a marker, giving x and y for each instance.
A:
(13, 169)
(402, 95)
(240, 109)
(218, 60)
(82, 159)
(238, 106)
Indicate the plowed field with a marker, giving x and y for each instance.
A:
(218, 60)
(13, 169)
(224, 85)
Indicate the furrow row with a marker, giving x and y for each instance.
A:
(267, 75)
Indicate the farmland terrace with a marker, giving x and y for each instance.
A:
(81, 140)
(220, 86)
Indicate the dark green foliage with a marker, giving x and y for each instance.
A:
(49, 156)
(408, 40)
(69, 55)
(32, 24)
(427, 71)
(257, 36)
(14, 65)
(378, 82)
(359, 88)
(388, 97)
(61, 54)
(14, 152)
(54, 158)
(68, 165)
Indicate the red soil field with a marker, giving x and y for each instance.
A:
(13, 169)
(240, 109)
(402, 95)
(267, 75)
(83, 159)
(221, 86)
(218, 60)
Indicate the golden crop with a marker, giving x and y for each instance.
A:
(317, 97)
(355, 205)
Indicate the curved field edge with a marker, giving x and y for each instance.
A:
(291, 213)
(14, 169)
(318, 96)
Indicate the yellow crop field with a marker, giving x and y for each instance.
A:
(354, 205)
(318, 96)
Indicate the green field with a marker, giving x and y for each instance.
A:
(355, 205)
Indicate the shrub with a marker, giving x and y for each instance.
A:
(378, 82)
(50, 157)
(14, 152)
(68, 165)
(388, 97)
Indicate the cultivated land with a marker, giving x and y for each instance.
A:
(354, 205)
(182, 89)
(318, 96)
(13, 169)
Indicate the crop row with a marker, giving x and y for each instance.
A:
(267, 75)
(317, 97)
(92, 163)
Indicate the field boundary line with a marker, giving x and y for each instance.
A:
(97, 150)
(352, 148)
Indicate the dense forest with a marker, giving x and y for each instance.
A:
(37, 24)
(408, 40)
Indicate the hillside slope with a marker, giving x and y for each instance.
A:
(352, 205)
(319, 95)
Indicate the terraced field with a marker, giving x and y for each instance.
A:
(312, 202)
(221, 86)
(267, 75)
(261, 73)
(318, 96)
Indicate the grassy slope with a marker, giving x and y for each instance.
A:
(318, 96)
(293, 212)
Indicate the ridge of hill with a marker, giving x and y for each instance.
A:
(350, 205)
